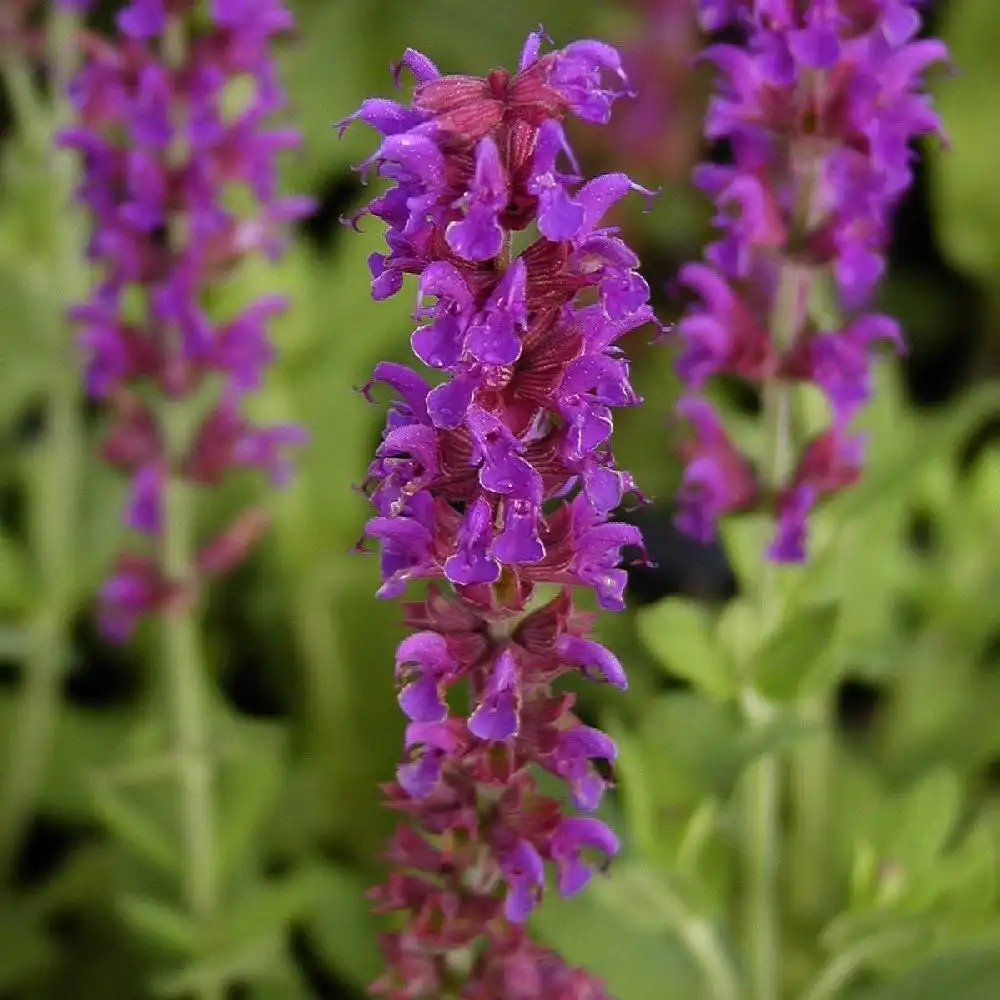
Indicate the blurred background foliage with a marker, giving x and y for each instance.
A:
(886, 663)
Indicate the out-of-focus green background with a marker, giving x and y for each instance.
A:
(902, 675)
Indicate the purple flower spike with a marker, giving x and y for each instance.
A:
(148, 323)
(497, 478)
(856, 69)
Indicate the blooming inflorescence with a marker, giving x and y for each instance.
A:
(165, 153)
(494, 479)
(819, 105)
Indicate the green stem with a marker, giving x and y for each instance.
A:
(184, 662)
(760, 853)
(55, 500)
(810, 773)
(761, 783)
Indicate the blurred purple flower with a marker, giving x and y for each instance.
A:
(162, 233)
(820, 104)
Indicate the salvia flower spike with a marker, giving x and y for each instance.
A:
(492, 478)
(161, 153)
(819, 103)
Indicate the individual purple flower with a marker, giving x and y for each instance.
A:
(497, 478)
(162, 232)
(820, 104)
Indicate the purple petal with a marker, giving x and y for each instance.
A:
(418, 64)
(411, 387)
(789, 545)
(492, 338)
(497, 715)
(573, 837)
(421, 701)
(519, 541)
(449, 403)
(596, 662)
(145, 506)
(472, 561)
(142, 19)
(389, 117)
(524, 871)
(502, 470)
(479, 235)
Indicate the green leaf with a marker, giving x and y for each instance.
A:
(252, 963)
(15, 643)
(646, 898)
(247, 940)
(134, 826)
(966, 194)
(86, 742)
(161, 925)
(679, 634)
(284, 983)
(787, 660)
(919, 827)
(745, 539)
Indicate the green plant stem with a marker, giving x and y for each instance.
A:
(810, 773)
(57, 486)
(182, 653)
(761, 783)
(760, 858)
(184, 665)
